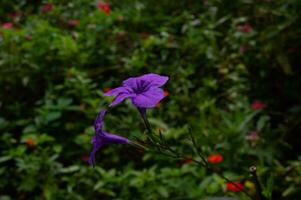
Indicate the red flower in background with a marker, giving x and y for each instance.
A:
(215, 158)
(257, 105)
(47, 7)
(235, 187)
(246, 28)
(7, 25)
(84, 158)
(104, 7)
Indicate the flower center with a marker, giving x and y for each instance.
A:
(142, 86)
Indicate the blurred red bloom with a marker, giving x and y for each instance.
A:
(144, 35)
(235, 187)
(47, 7)
(84, 158)
(106, 89)
(29, 142)
(215, 158)
(104, 7)
(7, 25)
(291, 50)
(246, 28)
(257, 105)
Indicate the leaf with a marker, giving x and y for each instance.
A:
(262, 122)
(5, 158)
(70, 169)
(163, 191)
(284, 62)
(52, 116)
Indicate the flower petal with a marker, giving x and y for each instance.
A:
(110, 138)
(120, 98)
(131, 82)
(116, 91)
(148, 99)
(154, 80)
(96, 146)
(98, 124)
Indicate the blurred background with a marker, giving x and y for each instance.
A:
(234, 80)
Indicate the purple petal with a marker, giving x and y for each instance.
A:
(115, 91)
(120, 98)
(148, 99)
(110, 138)
(92, 157)
(131, 82)
(154, 80)
(96, 146)
(98, 124)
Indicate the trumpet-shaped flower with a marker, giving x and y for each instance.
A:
(102, 138)
(144, 91)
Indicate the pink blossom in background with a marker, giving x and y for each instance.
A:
(243, 48)
(7, 25)
(28, 37)
(73, 22)
(253, 136)
(245, 28)
(258, 105)
(14, 15)
(47, 7)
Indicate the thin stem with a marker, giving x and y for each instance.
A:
(259, 195)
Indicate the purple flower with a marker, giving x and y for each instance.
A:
(144, 91)
(102, 138)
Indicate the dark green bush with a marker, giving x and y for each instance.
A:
(220, 56)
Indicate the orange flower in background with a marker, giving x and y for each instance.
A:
(188, 161)
(166, 93)
(257, 105)
(235, 186)
(29, 142)
(106, 89)
(104, 7)
(215, 158)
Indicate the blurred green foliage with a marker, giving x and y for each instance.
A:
(55, 63)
